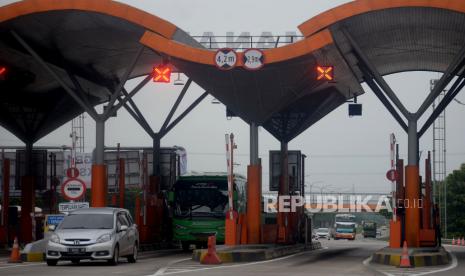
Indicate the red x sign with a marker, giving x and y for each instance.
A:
(162, 73)
(325, 73)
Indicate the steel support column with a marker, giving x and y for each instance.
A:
(99, 171)
(254, 144)
(6, 200)
(412, 143)
(254, 189)
(283, 218)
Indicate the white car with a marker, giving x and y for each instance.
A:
(322, 233)
(95, 234)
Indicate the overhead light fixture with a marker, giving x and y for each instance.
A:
(178, 80)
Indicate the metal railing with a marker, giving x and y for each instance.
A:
(246, 41)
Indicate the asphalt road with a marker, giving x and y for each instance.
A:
(336, 258)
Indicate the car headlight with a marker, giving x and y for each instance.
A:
(104, 238)
(54, 238)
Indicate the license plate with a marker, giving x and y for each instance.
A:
(77, 250)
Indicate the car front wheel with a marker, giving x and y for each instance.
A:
(115, 259)
(133, 258)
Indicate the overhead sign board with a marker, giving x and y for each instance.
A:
(226, 59)
(254, 59)
(52, 220)
(73, 189)
(71, 206)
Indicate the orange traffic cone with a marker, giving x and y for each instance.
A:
(211, 257)
(15, 256)
(453, 240)
(404, 258)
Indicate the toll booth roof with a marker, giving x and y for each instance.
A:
(96, 40)
(93, 41)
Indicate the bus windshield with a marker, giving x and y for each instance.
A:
(201, 199)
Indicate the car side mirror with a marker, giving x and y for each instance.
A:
(123, 228)
(52, 227)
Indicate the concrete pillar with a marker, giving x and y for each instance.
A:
(254, 190)
(99, 171)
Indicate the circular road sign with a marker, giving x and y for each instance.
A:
(73, 189)
(72, 172)
(225, 59)
(254, 59)
(391, 175)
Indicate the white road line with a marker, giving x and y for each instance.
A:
(163, 270)
(13, 266)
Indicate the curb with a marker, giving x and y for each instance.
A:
(254, 255)
(33, 257)
(441, 258)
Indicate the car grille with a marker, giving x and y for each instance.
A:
(67, 254)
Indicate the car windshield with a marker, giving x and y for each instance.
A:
(201, 199)
(323, 230)
(87, 221)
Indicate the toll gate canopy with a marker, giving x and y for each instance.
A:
(91, 44)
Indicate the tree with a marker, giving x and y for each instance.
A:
(456, 202)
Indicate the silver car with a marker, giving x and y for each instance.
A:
(95, 234)
(323, 233)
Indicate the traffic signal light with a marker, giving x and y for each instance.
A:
(325, 73)
(2, 72)
(162, 73)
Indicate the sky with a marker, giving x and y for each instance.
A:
(344, 154)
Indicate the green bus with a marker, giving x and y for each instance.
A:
(200, 204)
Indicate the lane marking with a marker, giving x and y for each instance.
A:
(162, 270)
(13, 266)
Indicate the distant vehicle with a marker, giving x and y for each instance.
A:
(345, 227)
(200, 203)
(322, 233)
(369, 229)
(95, 234)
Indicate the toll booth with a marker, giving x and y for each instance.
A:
(49, 173)
(294, 158)
(295, 221)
